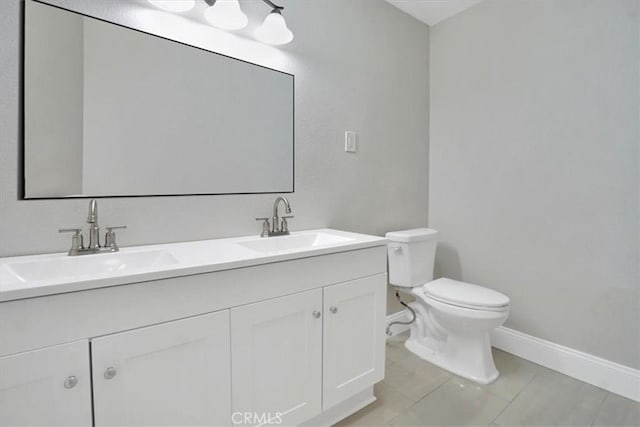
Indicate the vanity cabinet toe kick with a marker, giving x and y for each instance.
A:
(290, 343)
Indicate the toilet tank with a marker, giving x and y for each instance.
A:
(411, 255)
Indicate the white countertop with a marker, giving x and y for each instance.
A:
(186, 258)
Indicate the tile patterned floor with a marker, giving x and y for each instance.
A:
(416, 393)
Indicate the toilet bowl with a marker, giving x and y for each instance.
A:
(453, 318)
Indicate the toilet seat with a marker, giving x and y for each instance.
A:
(465, 295)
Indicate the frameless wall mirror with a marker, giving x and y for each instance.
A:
(112, 111)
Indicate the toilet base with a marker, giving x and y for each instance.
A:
(465, 356)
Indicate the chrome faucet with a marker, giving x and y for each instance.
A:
(275, 223)
(279, 225)
(94, 247)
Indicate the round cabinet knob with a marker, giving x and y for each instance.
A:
(333, 309)
(110, 372)
(316, 314)
(70, 382)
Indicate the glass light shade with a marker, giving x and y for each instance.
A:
(226, 14)
(174, 5)
(274, 30)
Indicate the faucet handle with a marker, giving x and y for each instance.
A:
(265, 226)
(284, 226)
(76, 239)
(69, 230)
(110, 237)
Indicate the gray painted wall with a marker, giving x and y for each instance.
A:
(534, 165)
(360, 65)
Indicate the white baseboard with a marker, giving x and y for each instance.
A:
(610, 376)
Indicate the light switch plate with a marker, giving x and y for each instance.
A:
(350, 142)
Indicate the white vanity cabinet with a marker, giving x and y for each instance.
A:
(46, 387)
(176, 373)
(298, 340)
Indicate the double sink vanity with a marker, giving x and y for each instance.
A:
(282, 330)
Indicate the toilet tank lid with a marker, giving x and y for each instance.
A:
(413, 235)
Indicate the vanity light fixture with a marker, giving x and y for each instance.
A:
(274, 29)
(174, 5)
(227, 15)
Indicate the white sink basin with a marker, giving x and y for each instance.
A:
(61, 267)
(47, 274)
(295, 242)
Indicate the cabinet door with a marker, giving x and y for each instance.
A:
(354, 337)
(276, 347)
(175, 373)
(50, 386)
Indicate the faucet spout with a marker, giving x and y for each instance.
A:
(276, 227)
(94, 228)
(92, 217)
(287, 205)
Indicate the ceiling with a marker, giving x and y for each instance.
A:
(433, 11)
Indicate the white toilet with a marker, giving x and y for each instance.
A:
(453, 319)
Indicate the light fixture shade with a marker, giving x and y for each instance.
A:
(174, 5)
(226, 14)
(274, 30)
